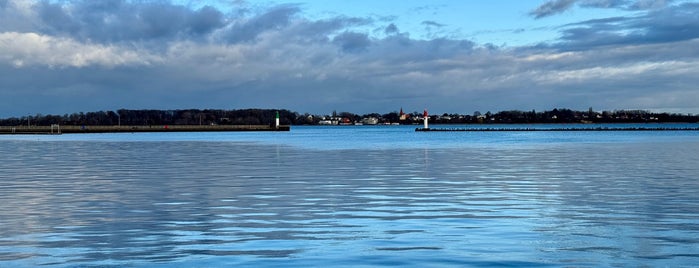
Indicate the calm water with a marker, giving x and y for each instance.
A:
(350, 196)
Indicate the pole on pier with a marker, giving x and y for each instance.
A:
(57, 127)
(276, 120)
(424, 118)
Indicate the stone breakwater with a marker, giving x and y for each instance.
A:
(151, 128)
(558, 129)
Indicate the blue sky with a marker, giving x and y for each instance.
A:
(358, 56)
(503, 22)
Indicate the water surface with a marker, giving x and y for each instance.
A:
(357, 196)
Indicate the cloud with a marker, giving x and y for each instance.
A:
(14, 16)
(626, 4)
(20, 49)
(671, 24)
(432, 24)
(204, 21)
(352, 42)
(63, 57)
(273, 19)
(391, 29)
(553, 7)
(604, 3)
(114, 21)
(649, 4)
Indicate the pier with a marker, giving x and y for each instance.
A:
(62, 129)
(556, 129)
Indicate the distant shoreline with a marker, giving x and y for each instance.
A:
(197, 117)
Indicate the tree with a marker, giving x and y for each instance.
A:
(391, 117)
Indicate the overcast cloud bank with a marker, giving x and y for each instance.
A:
(63, 57)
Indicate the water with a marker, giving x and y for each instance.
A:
(350, 196)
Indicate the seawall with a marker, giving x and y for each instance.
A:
(130, 129)
(556, 129)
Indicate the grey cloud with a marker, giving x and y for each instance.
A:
(56, 17)
(118, 20)
(352, 42)
(14, 19)
(605, 3)
(113, 21)
(671, 24)
(391, 29)
(432, 23)
(626, 4)
(319, 31)
(433, 30)
(552, 7)
(430, 9)
(273, 19)
(401, 49)
(649, 4)
(205, 20)
(159, 21)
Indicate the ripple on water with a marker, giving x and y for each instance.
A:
(192, 203)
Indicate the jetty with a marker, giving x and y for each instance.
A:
(64, 129)
(557, 129)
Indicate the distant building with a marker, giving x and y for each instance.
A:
(370, 121)
(403, 116)
(327, 122)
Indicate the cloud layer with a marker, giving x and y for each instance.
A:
(554, 7)
(62, 57)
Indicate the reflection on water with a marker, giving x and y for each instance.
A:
(72, 203)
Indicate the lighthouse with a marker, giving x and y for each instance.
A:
(424, 118)
(276, 120)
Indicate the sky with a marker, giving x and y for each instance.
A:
(360, 56)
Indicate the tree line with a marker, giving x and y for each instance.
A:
(572, 116)
(267, 116)
(159, 117)
(528, 117)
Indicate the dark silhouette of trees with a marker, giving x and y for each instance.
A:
(160, 117)
(392, 117)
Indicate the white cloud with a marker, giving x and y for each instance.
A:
(551, 56)
(32, 49)
(635, 71)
